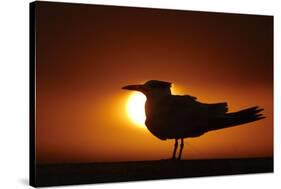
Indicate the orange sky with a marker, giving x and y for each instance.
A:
(85, 54)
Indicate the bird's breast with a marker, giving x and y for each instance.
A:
(152, 109)
(156, 122)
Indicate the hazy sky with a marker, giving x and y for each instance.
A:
(85, 54)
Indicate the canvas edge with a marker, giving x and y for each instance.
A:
(32, 30)
(147, 7)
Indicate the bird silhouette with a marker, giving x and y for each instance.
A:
(177, 117)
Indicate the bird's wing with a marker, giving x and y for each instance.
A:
(181, 116)
(189, 103)
(183, 109)
(186, 113)
(216, 110)
(180, 101)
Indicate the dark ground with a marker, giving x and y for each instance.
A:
(65, 174)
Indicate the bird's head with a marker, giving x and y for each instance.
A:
(152, 88)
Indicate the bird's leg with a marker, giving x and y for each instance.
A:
(181, 148)
(175, 149)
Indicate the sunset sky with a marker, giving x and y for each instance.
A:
(85, 54)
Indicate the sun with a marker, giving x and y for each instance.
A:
(135, 108)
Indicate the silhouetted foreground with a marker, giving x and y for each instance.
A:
(177, 117)
(65, 174)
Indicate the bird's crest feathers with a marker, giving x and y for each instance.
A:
(158, 84)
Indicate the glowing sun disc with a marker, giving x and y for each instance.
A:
(135, 108)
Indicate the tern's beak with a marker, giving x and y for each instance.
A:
(133, 87)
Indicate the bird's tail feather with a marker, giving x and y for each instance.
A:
(237, 118)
